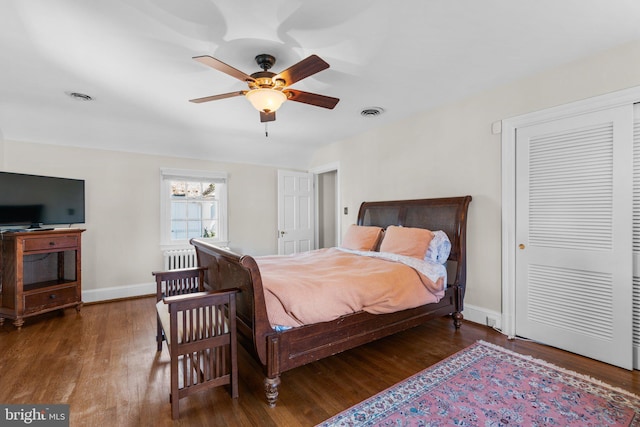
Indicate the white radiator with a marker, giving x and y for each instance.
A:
(180, 258)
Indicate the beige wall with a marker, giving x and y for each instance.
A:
(121, 245)
(450, 151)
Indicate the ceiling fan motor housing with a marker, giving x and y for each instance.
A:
(264, 80)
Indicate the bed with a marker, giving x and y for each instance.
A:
(281, 350)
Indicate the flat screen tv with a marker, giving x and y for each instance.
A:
(33, 200)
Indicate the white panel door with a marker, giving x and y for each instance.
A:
(295, 212)
(573, 234)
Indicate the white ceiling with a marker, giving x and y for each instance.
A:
(134, 58)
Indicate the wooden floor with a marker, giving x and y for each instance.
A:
(103, 362)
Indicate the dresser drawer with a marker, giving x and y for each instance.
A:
(46, 298)
(50, 243)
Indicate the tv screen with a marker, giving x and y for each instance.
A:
(34, 200)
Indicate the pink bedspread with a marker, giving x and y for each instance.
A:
(322, 285)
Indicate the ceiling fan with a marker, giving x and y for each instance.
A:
(267, 90)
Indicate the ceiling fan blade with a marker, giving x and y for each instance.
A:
(216, 97)
(221, 66)
(303, 69)
(267, 117)
(311, 98)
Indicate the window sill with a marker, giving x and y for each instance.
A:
(184, 244)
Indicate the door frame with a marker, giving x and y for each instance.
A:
(319, 170)
(508, 168)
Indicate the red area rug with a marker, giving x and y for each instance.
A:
(487, 385)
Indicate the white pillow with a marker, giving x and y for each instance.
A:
(439, 248)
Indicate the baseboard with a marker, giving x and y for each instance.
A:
(482, 316)
(118, 292)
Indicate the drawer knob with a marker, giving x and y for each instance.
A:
(52, 243)
(53, 296)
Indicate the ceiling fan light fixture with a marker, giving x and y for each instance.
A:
(266, 100)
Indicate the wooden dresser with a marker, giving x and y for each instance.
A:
(40, 273)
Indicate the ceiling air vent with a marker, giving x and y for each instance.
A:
(371, 111)
(79, 96)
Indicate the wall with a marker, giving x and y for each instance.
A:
(451, 151)
(121, 245)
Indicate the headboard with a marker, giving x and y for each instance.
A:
(446, 214)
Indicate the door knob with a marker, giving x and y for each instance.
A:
(521, 246)
(282, 233)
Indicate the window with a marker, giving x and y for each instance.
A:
(194, 204)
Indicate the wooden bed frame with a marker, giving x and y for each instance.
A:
(279, 352)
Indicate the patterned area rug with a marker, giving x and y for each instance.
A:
(487, 385)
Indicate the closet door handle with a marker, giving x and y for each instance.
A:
(521, 246)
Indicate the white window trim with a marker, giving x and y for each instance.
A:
(167, 174)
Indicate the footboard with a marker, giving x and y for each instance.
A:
(228, 270)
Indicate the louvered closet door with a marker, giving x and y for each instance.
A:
(574, 234)
(636, 236)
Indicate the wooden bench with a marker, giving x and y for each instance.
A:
(200, 330)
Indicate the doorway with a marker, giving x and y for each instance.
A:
(327, 197)
(327, 208)
(308, 212)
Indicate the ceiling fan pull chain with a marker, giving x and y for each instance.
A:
(266, 130)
